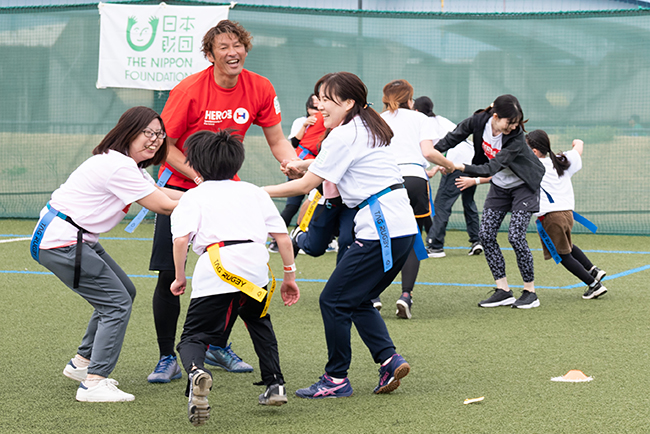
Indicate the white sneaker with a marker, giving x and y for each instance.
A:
(105, 391)
(73, 372)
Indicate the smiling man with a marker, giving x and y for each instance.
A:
(225, 95)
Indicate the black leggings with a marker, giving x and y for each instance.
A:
(412, 265)
(578, 264)
(490, 224)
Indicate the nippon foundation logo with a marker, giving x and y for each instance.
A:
(141, 36)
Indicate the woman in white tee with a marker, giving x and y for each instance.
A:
(93, 200)
(412, 146)
(356, 158)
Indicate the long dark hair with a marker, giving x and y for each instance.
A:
(424, 105)
(397, 94)
(539, 140)
(508, 107)
(131, 124)
(342, 86)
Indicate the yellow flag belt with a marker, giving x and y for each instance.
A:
(248, 288)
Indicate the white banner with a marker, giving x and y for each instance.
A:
(152, 47)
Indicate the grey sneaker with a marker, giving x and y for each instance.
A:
(435, 253)
(166, 370)
(376, 303)
(198, 409)
(225, 358)
(498, 298)
(404, 304)
(527, 300)
(597, 273)
(275, 394)
(594, 291)
(475, 249)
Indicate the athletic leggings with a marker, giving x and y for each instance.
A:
(578, 264)
(412, 265)
(490, 224)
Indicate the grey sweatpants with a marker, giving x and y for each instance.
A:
(107, 288)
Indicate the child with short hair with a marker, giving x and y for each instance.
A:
(227, 223)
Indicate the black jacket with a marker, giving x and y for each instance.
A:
(515, 153)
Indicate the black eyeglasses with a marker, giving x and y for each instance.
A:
(149, 134)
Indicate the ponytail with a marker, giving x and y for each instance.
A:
(539, 140)
(397, 94)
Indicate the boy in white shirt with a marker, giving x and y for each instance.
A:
(227, 223)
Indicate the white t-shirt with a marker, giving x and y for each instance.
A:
(505, 178)
(461, 153)
(409, 129)
(295, 127)
(559, 187)
(228, 210)
(96, 197)
(359, 171)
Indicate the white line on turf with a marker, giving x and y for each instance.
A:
(15, 239)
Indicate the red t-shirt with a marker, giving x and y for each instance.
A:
(311, 139)
(198, 103)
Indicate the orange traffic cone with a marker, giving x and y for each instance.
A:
(573, 376)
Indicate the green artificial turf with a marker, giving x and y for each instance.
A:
(456, 351)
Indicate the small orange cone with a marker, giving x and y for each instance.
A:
(573, 376)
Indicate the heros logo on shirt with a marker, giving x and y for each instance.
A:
(489, 151)
(214, 117)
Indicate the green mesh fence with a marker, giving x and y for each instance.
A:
(577, 75)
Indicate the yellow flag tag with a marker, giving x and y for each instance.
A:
(304, 223)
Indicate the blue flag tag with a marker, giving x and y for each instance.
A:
(143, 212)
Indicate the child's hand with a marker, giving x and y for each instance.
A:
(289, 292)
(464, 182)
(178, 286)
(431, 173)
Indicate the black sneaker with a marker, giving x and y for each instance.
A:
(597, 273)
(594, 291)
(527, 300)
(476, 249)
(275, 394)
(273, 247)
(499, 298)
(404, 306)
(376, 303)
(435, 253)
